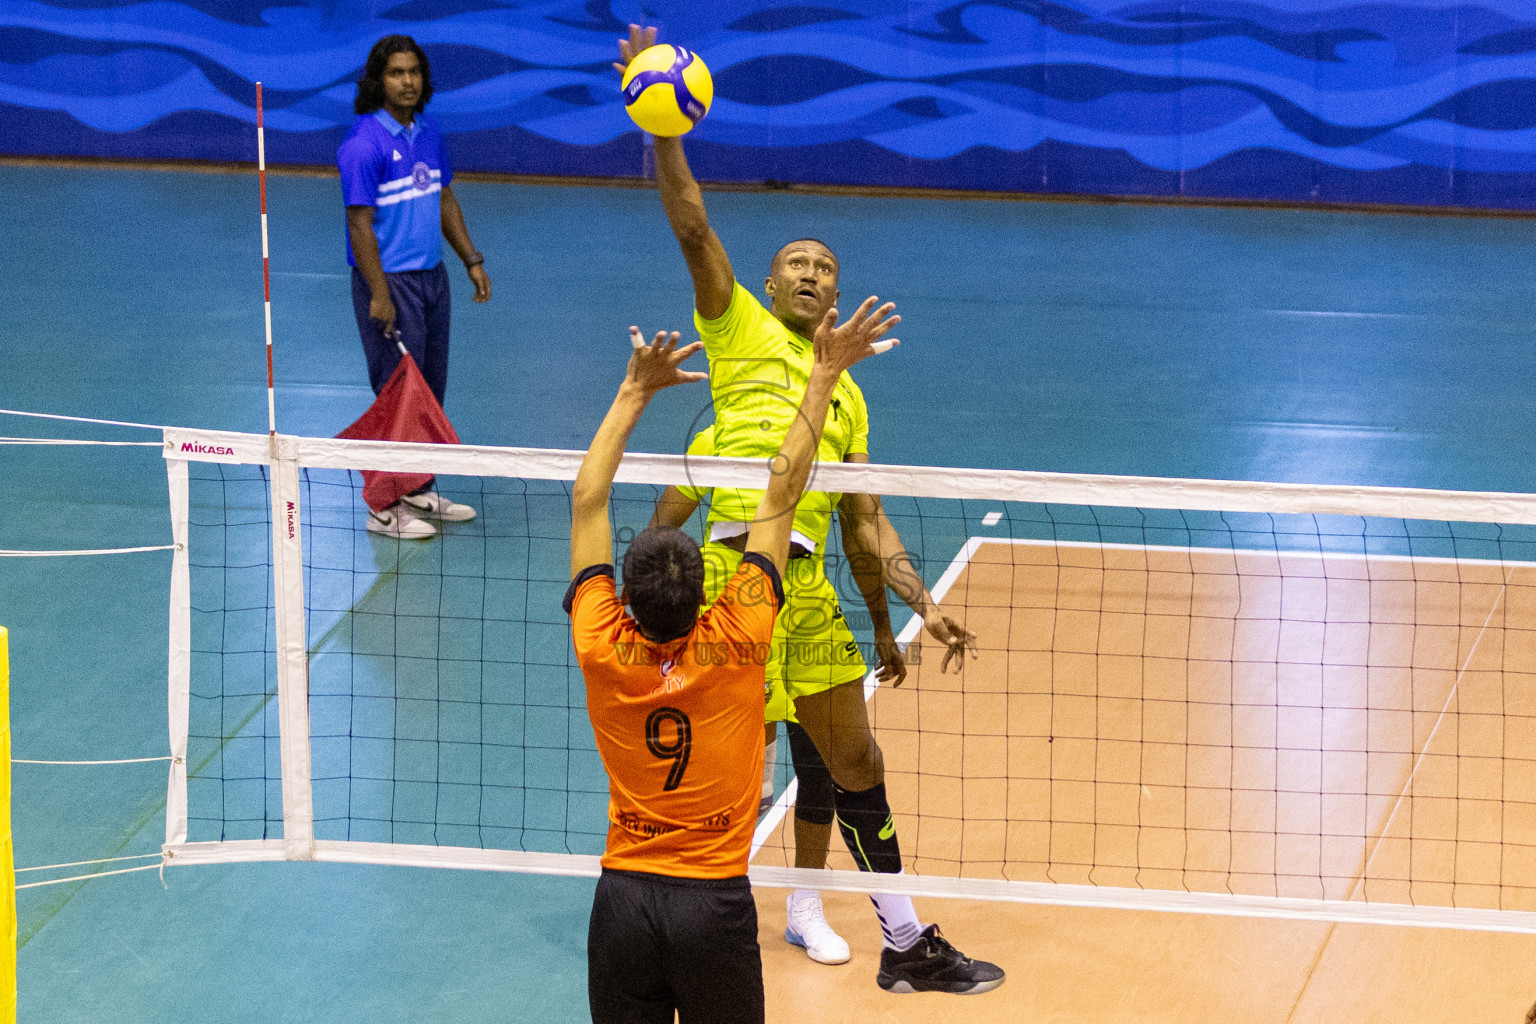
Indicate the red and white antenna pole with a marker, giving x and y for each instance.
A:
(266, 270)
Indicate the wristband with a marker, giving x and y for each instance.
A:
(474, 261)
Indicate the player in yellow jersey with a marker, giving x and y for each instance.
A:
(760, 361)
(676, 702)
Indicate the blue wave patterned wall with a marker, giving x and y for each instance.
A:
(1406, 101)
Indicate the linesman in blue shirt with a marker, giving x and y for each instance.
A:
(394, 178)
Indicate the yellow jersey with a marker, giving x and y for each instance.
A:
(758, 371)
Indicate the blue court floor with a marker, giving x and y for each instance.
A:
(1250, 344)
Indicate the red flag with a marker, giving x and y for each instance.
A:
(406, 410)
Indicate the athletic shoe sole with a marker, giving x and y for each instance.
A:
(794, 939)
(422, 512)
(390, 531)
(958, 988)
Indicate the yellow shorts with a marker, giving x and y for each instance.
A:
(813, 649)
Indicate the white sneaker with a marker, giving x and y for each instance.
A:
(808, 929)
(398, 522)
(435, 506)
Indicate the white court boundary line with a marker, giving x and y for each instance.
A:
(770, 821)
(1369, 858)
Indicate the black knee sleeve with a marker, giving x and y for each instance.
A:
(814, 803)
(868, 828)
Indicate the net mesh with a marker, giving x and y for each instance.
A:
(234, 773)
(446, 705)
(1333, 707)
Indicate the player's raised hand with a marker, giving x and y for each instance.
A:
(839, 346)
(640, 39)
(953, 635)
(658, 365)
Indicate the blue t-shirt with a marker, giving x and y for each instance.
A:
(399, 171)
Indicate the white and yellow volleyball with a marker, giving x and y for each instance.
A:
(667, 90)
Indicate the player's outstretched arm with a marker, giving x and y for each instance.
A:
(879, 559)
(836, 349)
(858, 519)
(651, 368)
(673, 508)
(683, 200)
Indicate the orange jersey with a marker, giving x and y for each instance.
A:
(679, 725)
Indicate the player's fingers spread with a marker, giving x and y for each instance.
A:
(879, 327)
(688, 350)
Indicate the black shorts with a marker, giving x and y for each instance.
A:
(658, 944)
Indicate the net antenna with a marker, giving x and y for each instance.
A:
(266, 268)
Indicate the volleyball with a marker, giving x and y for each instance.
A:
(667, 90)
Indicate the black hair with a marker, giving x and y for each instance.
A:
(370, 88)
(775, 261)
(664, 582)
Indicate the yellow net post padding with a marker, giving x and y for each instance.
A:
(7, 861)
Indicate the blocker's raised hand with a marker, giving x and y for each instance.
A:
(658, 365)
(839, 346)
(640, 39)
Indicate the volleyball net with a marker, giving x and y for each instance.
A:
(1220, 697)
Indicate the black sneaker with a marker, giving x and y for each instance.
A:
(933, 965)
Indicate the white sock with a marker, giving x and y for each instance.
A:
(899, 926)
(801, 895)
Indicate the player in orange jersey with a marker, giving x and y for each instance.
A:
(676, 700)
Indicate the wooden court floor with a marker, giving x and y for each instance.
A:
(1341, 727)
